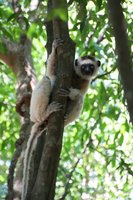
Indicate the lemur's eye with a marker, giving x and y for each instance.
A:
(83, 66)
(91, 66)
(98, 63)
(76, 62)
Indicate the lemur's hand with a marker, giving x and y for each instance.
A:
(57, 43)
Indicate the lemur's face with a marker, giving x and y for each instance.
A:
(87, 67)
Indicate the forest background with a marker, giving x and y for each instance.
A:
(96, 160)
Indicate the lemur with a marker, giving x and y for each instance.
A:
(85, 68)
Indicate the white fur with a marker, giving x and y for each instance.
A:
(51, 65)
(75, 107)
(31, 144)
(38, 113)
(74, 94)
(86, 61)
(40, 100)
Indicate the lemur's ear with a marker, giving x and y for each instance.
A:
(76, 62)
(98, 63)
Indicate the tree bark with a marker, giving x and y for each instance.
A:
(125, 64)
(36, 156)
(44, 187)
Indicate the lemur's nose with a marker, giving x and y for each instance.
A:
(90, 69)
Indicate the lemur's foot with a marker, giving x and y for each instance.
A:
(64, 92)
(56, 43)
(53, 107)
(66, 117)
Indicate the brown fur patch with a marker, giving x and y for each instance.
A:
(79, 83)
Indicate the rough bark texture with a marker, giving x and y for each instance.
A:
(124, 51)
(44, 187)
(36, 157)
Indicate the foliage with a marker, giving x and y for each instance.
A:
(96, 160)
(9, 121)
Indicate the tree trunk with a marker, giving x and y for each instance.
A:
(125, 64)
(44, 187)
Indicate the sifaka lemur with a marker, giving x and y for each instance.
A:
(85, 68)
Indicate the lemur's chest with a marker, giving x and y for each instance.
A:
(80, 83)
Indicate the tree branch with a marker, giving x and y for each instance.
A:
(127, 167)
(125, 64)
(20, 17)
(103, 75)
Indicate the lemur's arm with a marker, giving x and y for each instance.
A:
(52, 61)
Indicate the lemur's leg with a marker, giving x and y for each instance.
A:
(74, 105)
(40, 99)
(52, 60)
(51, 108)
(40, 109)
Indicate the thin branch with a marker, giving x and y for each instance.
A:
(17, 8)
(20, 17)
(101, 36)
(91, 35)
(130, 171)
(88, 143)
(103, 75)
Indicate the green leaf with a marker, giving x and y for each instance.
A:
(99, 4)
(121, 139)
(26, 22)
(13, 16)
(113, 160)
(82, 12)
(27, 3)
(6, 32)
(116, 135)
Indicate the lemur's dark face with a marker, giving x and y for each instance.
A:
(87, 66)
(87, 69)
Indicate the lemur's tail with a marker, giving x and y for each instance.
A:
(31, 146)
